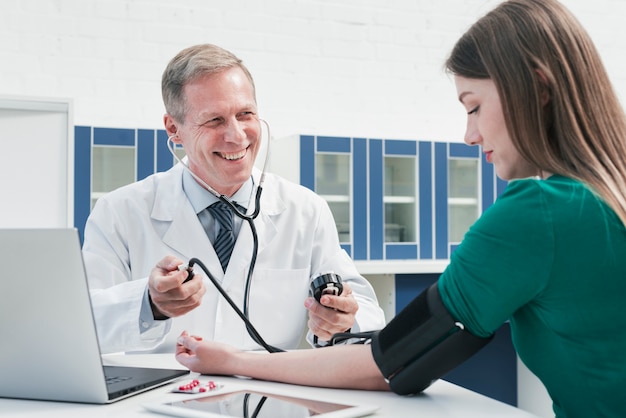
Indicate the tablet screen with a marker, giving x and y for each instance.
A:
(253, 404)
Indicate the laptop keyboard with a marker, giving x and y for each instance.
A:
(116, 379)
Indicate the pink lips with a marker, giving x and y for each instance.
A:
(488, 156)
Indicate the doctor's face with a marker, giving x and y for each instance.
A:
(221, 133)
(486, 127)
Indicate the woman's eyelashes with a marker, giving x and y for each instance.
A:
(474, 110)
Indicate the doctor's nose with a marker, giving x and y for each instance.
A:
(235, 131)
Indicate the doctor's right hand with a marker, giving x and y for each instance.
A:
(169, 297)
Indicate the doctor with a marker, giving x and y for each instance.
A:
(137, 236)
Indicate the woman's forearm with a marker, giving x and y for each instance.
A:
(350, 366)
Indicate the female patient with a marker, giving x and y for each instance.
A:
(549, 255)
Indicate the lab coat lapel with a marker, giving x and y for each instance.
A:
(272, 206)
(184, 234)
(266, 228)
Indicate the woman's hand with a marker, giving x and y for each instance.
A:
(205, 357)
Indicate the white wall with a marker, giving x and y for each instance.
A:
(338, 67)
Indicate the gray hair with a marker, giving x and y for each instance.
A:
(187, 66)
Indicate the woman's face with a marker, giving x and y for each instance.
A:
(486, 127)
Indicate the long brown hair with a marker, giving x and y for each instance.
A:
(531, 48)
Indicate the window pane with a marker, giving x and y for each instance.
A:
(400, 176)
(341, 213)
(332, 174)
(462, 197)
(400, 222)
(461, 218)
(113, 167)
(400, 191)
(332, 182)
(463, 176)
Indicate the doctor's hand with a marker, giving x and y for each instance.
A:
(325, 322)
(205, 357)
(169, 297)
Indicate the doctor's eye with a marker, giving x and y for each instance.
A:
(213, 122)
(246, 115)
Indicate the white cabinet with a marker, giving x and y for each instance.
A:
(36, 164)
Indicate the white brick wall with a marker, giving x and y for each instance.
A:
(342, 67)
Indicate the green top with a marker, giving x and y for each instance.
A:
(550, 256)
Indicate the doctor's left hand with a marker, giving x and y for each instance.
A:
(325, 322)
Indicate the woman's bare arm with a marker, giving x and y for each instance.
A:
(349, 366)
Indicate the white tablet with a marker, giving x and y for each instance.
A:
(244, 403)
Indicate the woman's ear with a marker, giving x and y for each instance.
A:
(545, 89)
(171, 127)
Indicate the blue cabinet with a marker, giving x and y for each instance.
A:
(399, 199)
(107, 158)
(391, 199)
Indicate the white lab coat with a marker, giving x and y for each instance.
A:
(132, 228)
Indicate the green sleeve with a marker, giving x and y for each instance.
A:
(503, 261)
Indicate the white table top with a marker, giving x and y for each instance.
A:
(442, 399)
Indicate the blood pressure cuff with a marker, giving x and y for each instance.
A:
(422, 343)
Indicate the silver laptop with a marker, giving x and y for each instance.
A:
(48, 343)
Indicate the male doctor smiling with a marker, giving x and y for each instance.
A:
(138, 235)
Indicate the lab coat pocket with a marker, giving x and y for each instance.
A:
(277, 304)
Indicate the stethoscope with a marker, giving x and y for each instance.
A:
(255, 248)
(246, 405)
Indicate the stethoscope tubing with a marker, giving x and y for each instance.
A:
(254, 334)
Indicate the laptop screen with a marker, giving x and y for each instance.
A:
(49, 344)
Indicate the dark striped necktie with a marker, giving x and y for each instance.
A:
(225, 240)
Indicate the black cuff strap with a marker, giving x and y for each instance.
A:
(422, 343)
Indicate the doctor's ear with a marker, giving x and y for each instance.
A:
(171, 128)
(175, 139)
